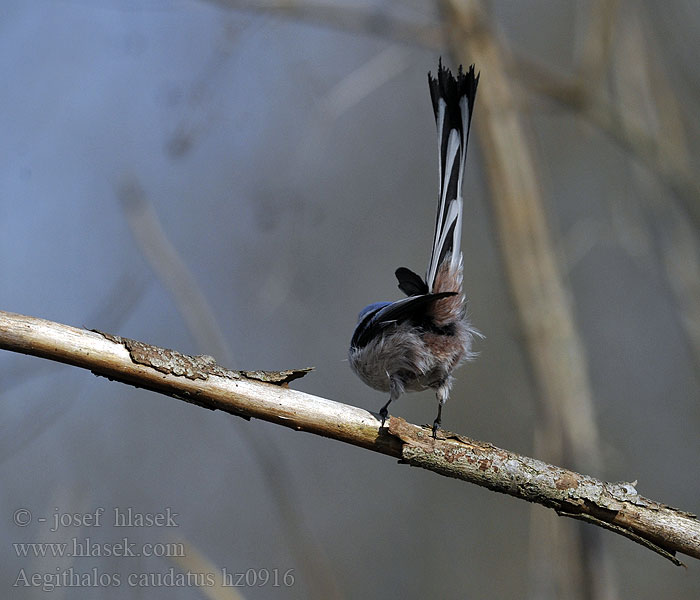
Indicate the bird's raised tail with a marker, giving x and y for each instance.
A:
(453, 102)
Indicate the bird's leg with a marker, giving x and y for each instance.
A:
(442, 394)
(395, 390)
(437, 421)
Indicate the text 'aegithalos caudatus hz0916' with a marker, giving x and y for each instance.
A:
(415, 343)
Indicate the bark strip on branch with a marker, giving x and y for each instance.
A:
(199, 380)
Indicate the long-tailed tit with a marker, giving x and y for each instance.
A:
(415, 343)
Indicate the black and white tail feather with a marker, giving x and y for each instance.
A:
(416, 342)
(453, 104)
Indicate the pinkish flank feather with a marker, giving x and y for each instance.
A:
(445, 349)
(451, 309)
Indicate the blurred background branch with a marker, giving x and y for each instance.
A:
(172, 271)
(566, 430)
(363, 21)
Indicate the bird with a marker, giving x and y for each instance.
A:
(416, 343)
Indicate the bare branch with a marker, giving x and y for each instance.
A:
(199, 380)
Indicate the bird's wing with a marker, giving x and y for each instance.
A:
(376, 321)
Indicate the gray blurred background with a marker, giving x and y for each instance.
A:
(240, 179)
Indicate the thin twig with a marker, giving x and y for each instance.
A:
(199, 380)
